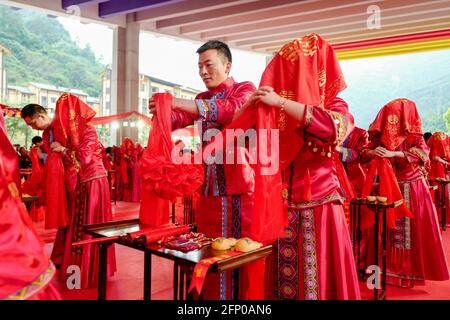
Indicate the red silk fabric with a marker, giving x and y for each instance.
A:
(22, 255)
(56, 213)
(162, 179)
(71, 119)
(108, 119)
(344, 181)
(34, 185)
(201, 270)
(388, 187)
(158, 234)
(395, 121)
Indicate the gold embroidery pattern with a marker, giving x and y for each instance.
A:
(306, 46)
(40, 282)
(308, 115)
(313, 203)
(288, 94)
(341, 125)
(420, 153)
(332, 90)
(441, 136)
(401, 235)
(322, 77)
(310, 272)
(76, 162)
(281, 121)
(407, 197)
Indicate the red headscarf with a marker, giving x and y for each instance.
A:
(439, 147)
(305, 70)
(395, 121)
(72, 116)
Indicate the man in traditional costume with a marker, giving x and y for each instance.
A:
(77, 184)
(225, 206)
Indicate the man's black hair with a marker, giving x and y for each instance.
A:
(32, 109)
(219, 46)
(427, 135)
(36, 139)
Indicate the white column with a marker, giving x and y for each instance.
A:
(125, 77)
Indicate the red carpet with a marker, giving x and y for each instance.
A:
(127, 283)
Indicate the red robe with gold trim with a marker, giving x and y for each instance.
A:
(415, 252)
(315, 259)
(86, 186)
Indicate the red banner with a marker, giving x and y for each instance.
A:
(201, 269)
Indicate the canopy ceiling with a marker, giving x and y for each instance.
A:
(265, 25)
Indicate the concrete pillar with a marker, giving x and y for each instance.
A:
(125, 77)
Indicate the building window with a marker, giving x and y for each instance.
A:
(155, 90)
(142, 87)
(144, 103)
(53, 100)
(44, 101)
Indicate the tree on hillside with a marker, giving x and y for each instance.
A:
(447, 119)
(43, 51)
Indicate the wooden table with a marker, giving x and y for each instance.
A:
(379, 209)
(183, 262)
(441, 203)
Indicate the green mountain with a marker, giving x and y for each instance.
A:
(43, 51)
(421, 77)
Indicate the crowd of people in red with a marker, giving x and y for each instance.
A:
(302, 209)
